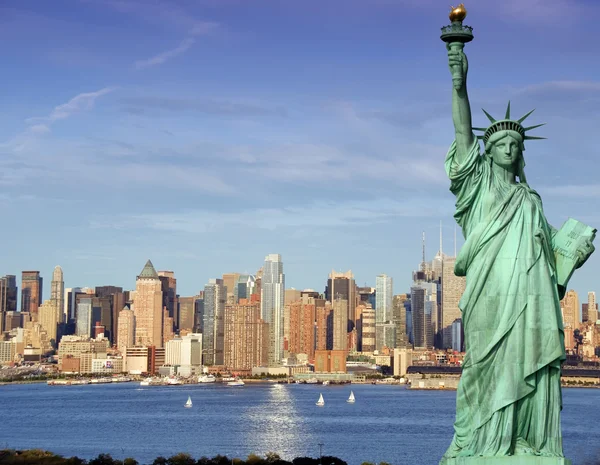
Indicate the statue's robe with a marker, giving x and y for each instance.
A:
(509, 395)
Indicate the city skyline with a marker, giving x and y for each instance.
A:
(144, 121)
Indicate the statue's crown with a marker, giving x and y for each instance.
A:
(507, 124)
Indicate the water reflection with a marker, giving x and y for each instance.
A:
(276, 425)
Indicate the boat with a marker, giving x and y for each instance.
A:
(321, 401)
(312, 381)
(325, 383)
(206, 379)
(236, 382)
(188, 404)
(351, 399)
(173, 382)
(146, 382)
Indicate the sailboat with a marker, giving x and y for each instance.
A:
(188, 404)
(351, 399)
(321, 401)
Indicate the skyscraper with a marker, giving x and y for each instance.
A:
(187, 310)
(71, 303)
(399, 319)
(343, 286)
(302, 325)
(423, 306)
(83, 326)
(126, 329)
(49, 316)
(246, 336)
(57, 291)
(111, 300)
(31, 292)
(452, 290)
(148, 308)
(368, 330)
(340, 324)
(570, 310)
(213, 331)
(170, 299)
(591, 313)
(272, 303)
(230, 281)
(8, 299)
(384, 291)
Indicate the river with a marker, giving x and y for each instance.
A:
(387, 423)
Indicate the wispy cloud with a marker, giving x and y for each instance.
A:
(139, 104)
(81, 102)
(317, 215)
(165, 56)
(161, 14)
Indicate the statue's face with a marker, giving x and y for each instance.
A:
(506, 152)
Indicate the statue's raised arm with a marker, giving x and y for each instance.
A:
(461, 109)
(456, 35)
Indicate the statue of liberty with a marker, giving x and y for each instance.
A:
(509, 396)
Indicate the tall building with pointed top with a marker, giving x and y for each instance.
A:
(272, 305)
(148, 308)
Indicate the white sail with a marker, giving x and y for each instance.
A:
(321, 401)
(188, 404)
(351, 399)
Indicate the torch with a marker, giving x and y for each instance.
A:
(456, 36)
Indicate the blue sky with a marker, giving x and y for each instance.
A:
(206, 134)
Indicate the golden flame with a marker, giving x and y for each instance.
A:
(459, 13)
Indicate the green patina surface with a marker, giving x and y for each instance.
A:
(517, 267)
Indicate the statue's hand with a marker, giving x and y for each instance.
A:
(458, 63)
(584, 252)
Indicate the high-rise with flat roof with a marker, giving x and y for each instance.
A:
(246, 336)
(8, 299)
(187, 309)
(272, 305)
(384, 291)
(57, 291)
(170, 298)
(303, 315)
(340, 324)
(399, 304)
(126, 329)
(343, 286)
(31, 292)
(452, 290)
(213, 332)
(230, 281)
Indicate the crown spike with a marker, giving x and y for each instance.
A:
(534, 138)
(523, 118)
(490, 117)
(481, 137)
(507, 116)
(479, 129)
(533, 127)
